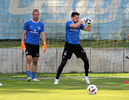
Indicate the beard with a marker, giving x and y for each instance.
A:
(36, 18)
(75, 22)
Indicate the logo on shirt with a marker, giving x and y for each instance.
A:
(34, 31)
(74, 30)
(39, 28)
(31, 26)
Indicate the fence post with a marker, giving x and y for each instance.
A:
(123, 61)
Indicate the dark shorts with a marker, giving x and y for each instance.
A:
(32, 50)
(76, 49)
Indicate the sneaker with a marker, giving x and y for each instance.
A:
(56, 81)
(87, 80)
(35, 79)
(1, 84)
(127, 57)
(29, 79)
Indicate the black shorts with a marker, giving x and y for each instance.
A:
(32, 50)
(76, 49)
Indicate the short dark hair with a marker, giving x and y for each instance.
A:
(74, 13)
(35, 10)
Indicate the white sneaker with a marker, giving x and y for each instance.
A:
(87, 80)
(1, 84)
(56, 81)
(29, 79)
(127, 57)
(35, 79)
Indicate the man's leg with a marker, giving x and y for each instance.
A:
(80, 53)
(86, 67)
(67, 53)
(34, 68)
(63, 63)
(28, 62)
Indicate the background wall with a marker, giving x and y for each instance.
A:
(100, 60)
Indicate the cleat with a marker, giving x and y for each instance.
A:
(56, 81)
(127, 57)
(1, 84)
(87, 80)
(29, 79)
(35, 79)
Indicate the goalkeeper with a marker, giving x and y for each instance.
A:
(32, 30)
(72, 43)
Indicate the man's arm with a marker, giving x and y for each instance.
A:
(44, 41)
(23, 35)
(78, 23)
(43, 37)
(87, 28)
(22, 40)
(75, 25)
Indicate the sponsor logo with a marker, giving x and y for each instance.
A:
(39, 28)
(83, 51)
(65, 53)
(31, 26)
(34, 31)
(37, 54)
(74, 30)
(26, 52)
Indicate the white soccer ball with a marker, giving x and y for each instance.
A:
(92, 89)
(89, 22)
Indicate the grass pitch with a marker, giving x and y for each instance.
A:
(67, 89)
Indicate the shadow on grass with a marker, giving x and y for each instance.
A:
(46, 85)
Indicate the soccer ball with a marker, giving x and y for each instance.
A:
(89, 22)
(92, 89)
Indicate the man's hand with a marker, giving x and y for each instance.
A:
(85, 18)
(89, 22)
(44, 47)
(23, 47)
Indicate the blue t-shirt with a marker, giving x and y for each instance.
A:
(33, 31)
(72, 34)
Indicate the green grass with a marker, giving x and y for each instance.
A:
(67, 89)
(51, 43)
(64, 75)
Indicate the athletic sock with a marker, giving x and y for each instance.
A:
(28, 73)
(56, 79)
(86, 77)
(33, 75)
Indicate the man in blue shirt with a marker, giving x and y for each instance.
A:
(72, 44)
(32, 30)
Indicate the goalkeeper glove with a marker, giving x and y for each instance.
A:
(89, 22)
(85, 18)
(23, 47)
(44, 46)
